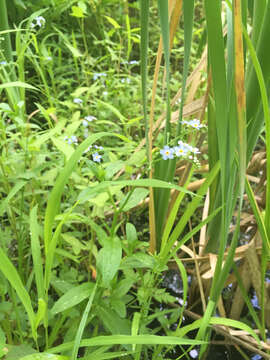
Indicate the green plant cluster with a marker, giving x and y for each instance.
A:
(78, 170)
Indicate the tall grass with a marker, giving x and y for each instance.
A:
(238, 70)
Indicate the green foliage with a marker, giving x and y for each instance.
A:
(76, 275)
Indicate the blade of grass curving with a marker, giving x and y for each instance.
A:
(265, 104)
(11, 274)
(127, 340)
(57, 191)
(36, 253)
(83, 321)
(52, 248)
(190, 210)
(191, 233)
(18, 84)
(173, 213)
(219, 321)
(5, 203)
(140, 182)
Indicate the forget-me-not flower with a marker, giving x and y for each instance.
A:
(40, 21)
(167, 153)
(180, 150)
(255, 302)
(96, 157)
(256, 357)
(3, 62)
(194, 353)
(71, 140)
(195, 123)
(77, 101)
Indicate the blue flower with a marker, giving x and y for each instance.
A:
(195, 123)
(96, 157)
(72, 140)
(167, 153)
(90, 118)
(134, 62)
(77, 101)
(194, 353)
(40, 21)
(255, 302)
(180, 150)
(256, 357)
(3, 62)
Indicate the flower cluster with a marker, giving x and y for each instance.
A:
(71, 140)
(88, 119)
(95, 156)
(182, 149)
(38, 21)
(195, 123)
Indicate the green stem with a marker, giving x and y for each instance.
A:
(6, 43)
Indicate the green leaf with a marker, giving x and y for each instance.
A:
(135, 198)
(73, 297)
(139, 260)
(87, 193)
(2, 337)
(10, 272)
(36, 253)
(55, 196)
(77, 12)
(42, 307)
(108, 260)
(128, 339)
(113, 22)
(131, 233)
(17, 84)
(44, 356)
(82, 325)
(62, 146)
(4, 203)
(113, 168)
